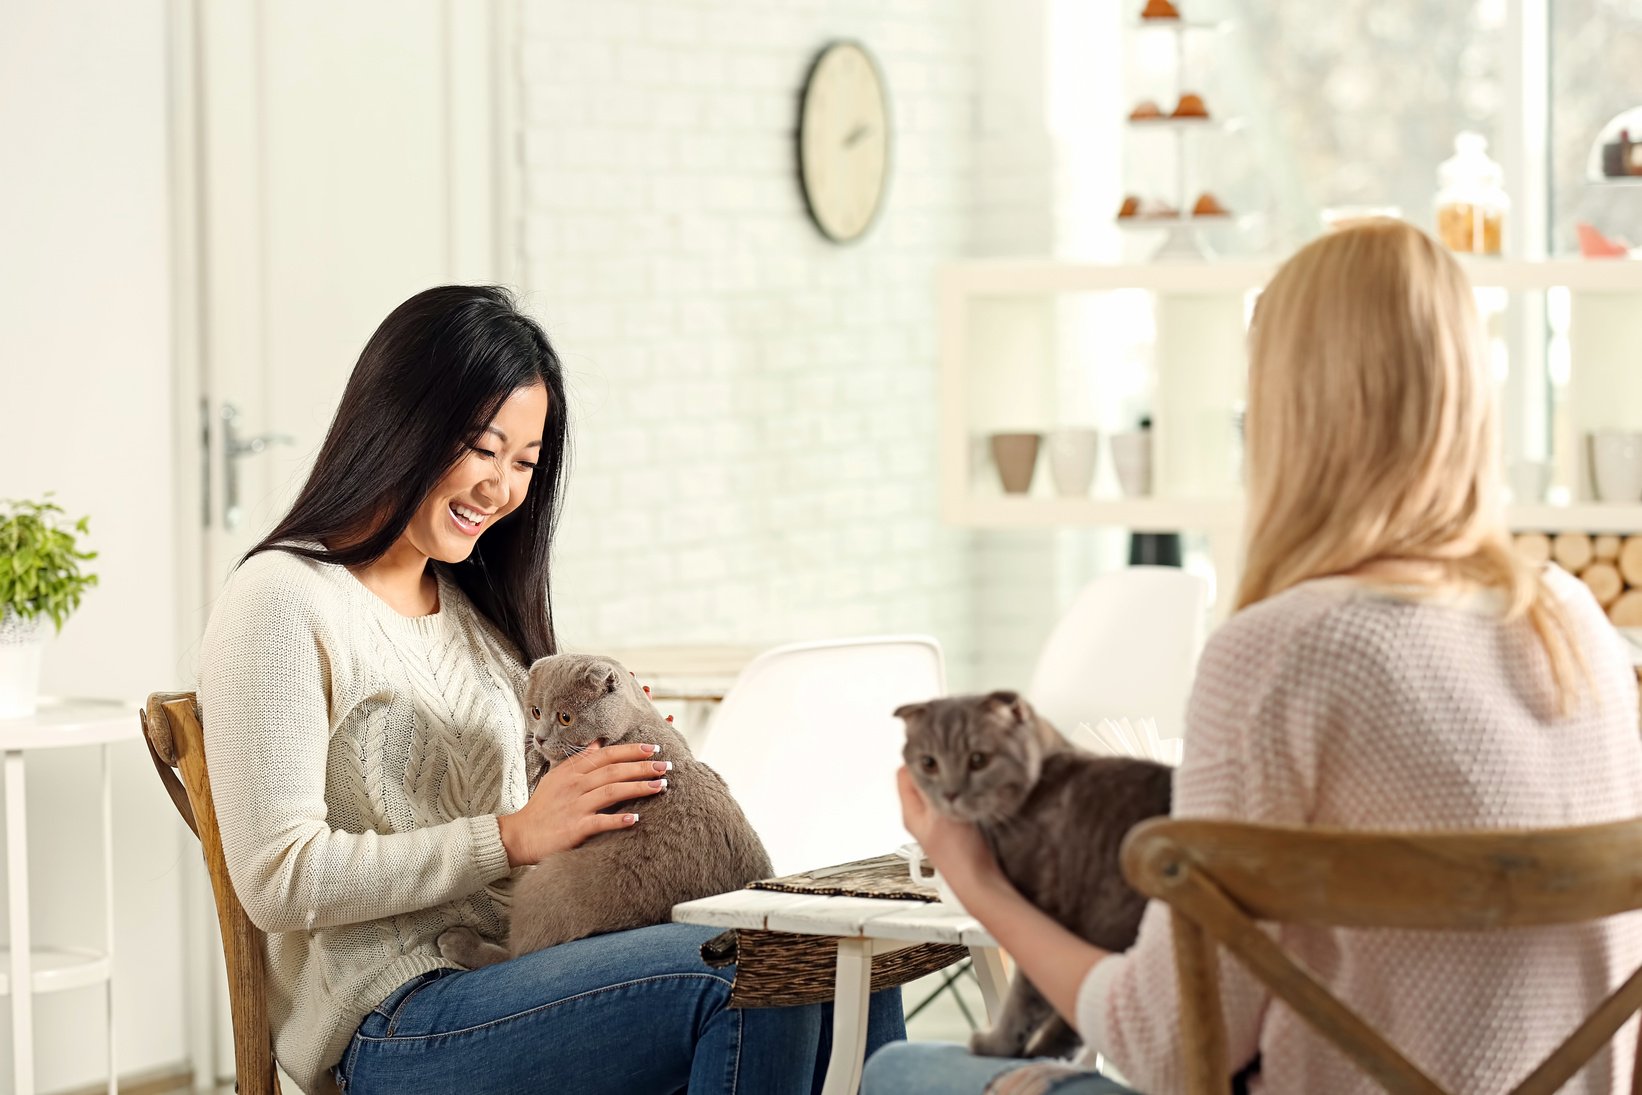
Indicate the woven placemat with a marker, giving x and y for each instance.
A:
(880, 876)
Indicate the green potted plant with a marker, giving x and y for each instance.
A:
(40, 580)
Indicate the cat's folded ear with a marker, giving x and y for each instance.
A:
(1012, 704)
(601, 677)
(910, 710)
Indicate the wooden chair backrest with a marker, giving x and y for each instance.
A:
(1220, 878)
(176, 742)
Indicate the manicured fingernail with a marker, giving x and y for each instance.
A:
(659, 784)
(653, 749)
(632, 819)
(669, 718)
(663, 766)
(646, 690)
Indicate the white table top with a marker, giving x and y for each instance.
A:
(858, 917)
(64, 722)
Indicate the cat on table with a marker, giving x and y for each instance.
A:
(1055, 817)
(694, 840)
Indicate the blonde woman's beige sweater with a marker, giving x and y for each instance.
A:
(358, 760)
(1337, 705)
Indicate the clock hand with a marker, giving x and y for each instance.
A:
(856, 135)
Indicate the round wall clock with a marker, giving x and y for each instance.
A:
(843, 141)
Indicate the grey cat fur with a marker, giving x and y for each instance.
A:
(1054, 816)
(692, 840)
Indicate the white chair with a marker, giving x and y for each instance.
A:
(1127, 647)
(807, 739)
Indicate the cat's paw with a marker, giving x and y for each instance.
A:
(997, 1042)
(461, 945)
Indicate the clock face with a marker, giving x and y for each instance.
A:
(843, 141)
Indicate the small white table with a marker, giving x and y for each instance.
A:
(30, 969)
(865, 926)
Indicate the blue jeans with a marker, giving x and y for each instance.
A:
(925, 1068)
(630, 1013)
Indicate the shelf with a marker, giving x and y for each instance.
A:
(1039, 277)
(1136, 514)
(1577, 517)
(1190, 121)
(1219, 26)
(1226, 514)
(58, 968)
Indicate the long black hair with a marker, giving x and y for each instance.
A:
(428, 382)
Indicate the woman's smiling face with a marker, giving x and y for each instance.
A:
(489, 481)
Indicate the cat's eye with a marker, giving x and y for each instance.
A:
(564, 718)
(928, 763)
(536, 713)
(977, 761)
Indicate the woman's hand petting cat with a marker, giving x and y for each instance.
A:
(955, 848)
(564, 809)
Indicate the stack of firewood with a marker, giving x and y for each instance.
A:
(1610, 565)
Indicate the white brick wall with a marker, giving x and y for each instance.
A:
(754, 406)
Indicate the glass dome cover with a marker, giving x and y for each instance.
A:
(1616, 155)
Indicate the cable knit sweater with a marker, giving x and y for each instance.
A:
(358, 761)
(1332, 704)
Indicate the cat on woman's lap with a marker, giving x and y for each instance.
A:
(694, 841)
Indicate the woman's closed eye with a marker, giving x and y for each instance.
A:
(490, 454)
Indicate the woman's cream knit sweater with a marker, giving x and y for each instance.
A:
(358, 761)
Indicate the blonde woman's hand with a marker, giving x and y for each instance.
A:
(564, 809)
(955, 848)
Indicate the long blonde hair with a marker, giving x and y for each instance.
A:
(1372, 431)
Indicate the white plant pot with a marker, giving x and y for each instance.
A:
(21, 643)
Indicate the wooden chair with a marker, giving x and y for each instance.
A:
(176, 740)
(1218, 878)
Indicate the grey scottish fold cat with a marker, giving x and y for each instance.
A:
(693, 841)
(1055, 816)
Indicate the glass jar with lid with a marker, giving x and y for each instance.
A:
(1471, 198)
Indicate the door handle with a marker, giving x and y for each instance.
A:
(234, 449)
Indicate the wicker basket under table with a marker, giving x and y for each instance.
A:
(776, 969)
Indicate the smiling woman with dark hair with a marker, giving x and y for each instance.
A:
(360, 683)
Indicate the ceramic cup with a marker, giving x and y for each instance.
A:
(1616, 465)
(1132, 461)
(1072, 456)
(1016, 455)
(1529, 480)
(916, 864)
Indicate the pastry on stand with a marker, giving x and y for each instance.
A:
(1191, 105)
(1207, 205)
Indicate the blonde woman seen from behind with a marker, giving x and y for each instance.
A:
(1391, 664)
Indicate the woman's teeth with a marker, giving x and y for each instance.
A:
(467, 520)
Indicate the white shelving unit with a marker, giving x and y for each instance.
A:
(1003, 277)
(1215, 288)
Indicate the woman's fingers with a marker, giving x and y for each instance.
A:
(914, 810)
(592, 758)
(632, 770)
(603, 823)
(621, 792)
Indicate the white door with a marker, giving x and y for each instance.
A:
(349, 157)
(338, 157)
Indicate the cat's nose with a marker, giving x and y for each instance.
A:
(952, 796)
